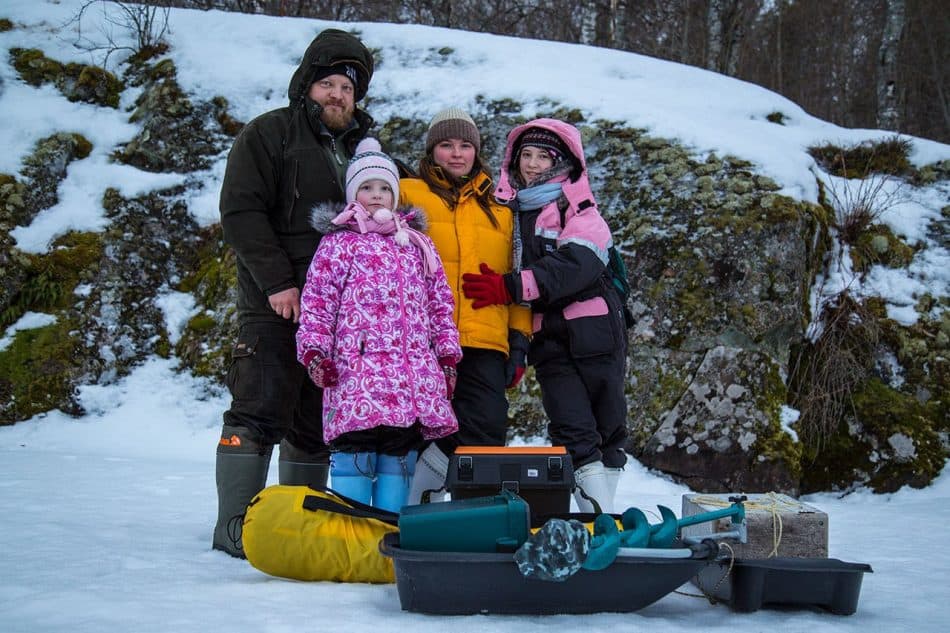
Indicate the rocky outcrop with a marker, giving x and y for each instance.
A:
(101, 287)
(723, 433)
(22, 199)
(12, 262)
(720, 267)
(45, 168)
(176, 135)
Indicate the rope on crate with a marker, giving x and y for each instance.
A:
(771, 502)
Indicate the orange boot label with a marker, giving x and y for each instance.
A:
(234, 440)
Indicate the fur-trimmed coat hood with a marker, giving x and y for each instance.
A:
(322, 215)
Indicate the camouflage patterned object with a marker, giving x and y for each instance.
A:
(555, 552)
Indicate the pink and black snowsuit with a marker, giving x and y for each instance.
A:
(579, 342)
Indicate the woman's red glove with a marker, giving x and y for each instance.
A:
(487, 288)
(447, 363)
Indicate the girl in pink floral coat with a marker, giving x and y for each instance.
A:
(377, 334)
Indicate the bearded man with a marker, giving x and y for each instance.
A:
(282, 164)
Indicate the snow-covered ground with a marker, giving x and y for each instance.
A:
(107, 518)
(107, 527)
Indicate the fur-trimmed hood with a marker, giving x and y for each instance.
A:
(322, 215)
(332, 46)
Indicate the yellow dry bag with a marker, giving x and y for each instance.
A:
(306, 533)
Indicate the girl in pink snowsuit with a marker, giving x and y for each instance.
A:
(377, 334)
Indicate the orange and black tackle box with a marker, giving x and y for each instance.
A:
(541, 475)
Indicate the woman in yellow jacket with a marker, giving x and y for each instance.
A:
(468, 228)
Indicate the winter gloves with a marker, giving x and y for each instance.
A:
(447, 363)
(323, 372)
(514, 372)
(517, 357)
(487, 289)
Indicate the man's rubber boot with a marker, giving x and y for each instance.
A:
(393, 478)
(240, 472)
(297, 468)
(591, 492)
(352, 475)
(431, 471)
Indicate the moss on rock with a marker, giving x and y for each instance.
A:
(405, 136)
(879, 245)
(12, 201)
(45, 169)
(146, 53)
(61, 147)
(96, 85)
(34, 67)
(52, 277)
(923, 351)
(889, 442)
(176, 134)
(37, 372)
(669, 386)
(229, 125)
(206, 342)
(774, 444)
(78, 82)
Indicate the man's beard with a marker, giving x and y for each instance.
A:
(336, 119)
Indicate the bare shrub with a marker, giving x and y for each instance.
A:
(826, 371)
(146, 23)
(857, 204)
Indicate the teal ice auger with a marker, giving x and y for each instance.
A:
(639, 538)
(637, 531)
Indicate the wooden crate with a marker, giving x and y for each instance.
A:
(798, 529)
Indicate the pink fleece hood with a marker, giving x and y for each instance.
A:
(569, 134)
(582, 223)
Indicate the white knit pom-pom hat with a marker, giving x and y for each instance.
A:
(370, 163)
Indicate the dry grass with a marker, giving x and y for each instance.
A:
(826, 372)
(889, 156)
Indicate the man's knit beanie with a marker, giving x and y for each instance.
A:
(350, 71)
(452, 123)
(368, 163)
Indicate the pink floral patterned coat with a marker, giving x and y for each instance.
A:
(369, 305)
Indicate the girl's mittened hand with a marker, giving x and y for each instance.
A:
(447, 363)
(323, 372)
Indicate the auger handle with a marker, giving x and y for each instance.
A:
(736, 511)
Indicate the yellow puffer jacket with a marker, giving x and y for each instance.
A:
(465, 237)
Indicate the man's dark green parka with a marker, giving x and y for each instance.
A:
(282, 164)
